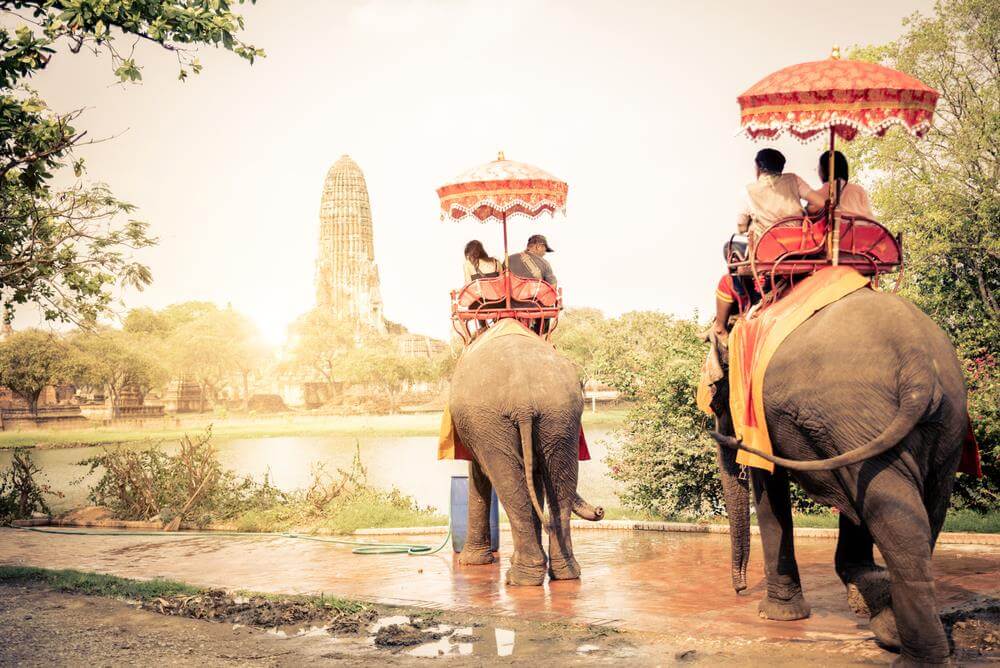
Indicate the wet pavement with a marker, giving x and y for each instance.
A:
(670, 583)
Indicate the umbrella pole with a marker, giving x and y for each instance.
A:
(506, 262)
(832, 206)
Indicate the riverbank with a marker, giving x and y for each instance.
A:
(285, 424)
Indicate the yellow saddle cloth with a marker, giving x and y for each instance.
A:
(755, 339)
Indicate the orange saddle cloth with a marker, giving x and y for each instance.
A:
(754, 341)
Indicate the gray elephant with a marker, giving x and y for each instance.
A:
(866, 409)
(516, 405)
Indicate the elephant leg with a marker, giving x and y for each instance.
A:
(784, 600)
(477, 544)
(506, 471)
(562, 563)
(868, 584)
(896, 516)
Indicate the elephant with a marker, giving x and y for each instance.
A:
(516, 405)
(865, 405)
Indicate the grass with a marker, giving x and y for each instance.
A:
(957, 520)
(367, 509)
(95, 584)
(289, 424)
(112, 586)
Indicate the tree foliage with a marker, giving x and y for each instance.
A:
(114, 360)
(65, 250)
(943, 194)
(578, 336)
(30, 360)
(667, 459)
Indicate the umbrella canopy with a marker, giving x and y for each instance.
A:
(843, 96)
(502, 189)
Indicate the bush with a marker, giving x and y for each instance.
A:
(21, 492)
(143, 484)
(983, 496)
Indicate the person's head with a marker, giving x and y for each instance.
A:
(537, 245)
(769, 161)
(474, 251)
(840, 170)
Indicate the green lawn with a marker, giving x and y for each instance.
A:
(957, 520)
(420, 424)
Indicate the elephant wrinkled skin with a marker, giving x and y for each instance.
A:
(871, 384)
(516, 404)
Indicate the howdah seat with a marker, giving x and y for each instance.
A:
(485, 300)
(801, 245)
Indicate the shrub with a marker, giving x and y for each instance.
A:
(21, 491)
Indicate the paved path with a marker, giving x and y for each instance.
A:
(645, 581)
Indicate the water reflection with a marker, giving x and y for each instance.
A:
(408, 463)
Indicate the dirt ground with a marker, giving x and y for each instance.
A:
(49, 628)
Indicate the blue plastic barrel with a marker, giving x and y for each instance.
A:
(460, 514)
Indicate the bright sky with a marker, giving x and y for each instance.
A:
(632, 103)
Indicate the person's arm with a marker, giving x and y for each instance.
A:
(723, 306)
(547, 274)
(467, 271)
(815, 199)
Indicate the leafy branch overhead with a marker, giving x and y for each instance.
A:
(66, 250)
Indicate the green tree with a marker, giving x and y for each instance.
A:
(320, 344)
(579, 335)
(667, 459)
(379, 364)
(213, 346)
(115, 360)
(65, 249)
(943, 194)
(30, 360)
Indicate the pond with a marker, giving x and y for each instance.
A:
(407, 463)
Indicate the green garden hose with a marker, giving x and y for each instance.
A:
(361, 546)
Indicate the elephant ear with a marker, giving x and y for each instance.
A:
(717, 359)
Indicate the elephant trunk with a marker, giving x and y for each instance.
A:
(528, 453)
(585, 511)
(736, 497)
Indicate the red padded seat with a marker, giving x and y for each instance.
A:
(483, 290)
(796, 245)
(532, 290)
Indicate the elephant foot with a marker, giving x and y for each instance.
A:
(566, 569)
(779, 610)
(883, 625)
(525, 576)
(476, 557)
(867, 590)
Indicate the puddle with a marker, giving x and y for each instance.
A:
(505, 642)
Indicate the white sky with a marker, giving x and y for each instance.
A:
(632, 103)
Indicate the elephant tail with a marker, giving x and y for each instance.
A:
(528, 452)
(911, 409)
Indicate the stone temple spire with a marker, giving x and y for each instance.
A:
(347, 280)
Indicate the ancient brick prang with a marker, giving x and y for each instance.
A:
(347, 280)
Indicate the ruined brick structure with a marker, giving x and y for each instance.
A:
(346, 276)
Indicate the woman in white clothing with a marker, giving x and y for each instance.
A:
(478, 264)
(851, 198)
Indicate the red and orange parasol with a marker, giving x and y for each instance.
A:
(845, 97)
(502, 189)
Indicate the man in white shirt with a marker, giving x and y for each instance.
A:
(773, 195)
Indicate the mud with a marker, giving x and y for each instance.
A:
(43, 627)
(404, 635)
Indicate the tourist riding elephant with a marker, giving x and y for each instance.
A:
(516, 405)
(866, 409)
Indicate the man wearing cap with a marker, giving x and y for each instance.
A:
(531, 262)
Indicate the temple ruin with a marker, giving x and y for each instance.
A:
(347, 281)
